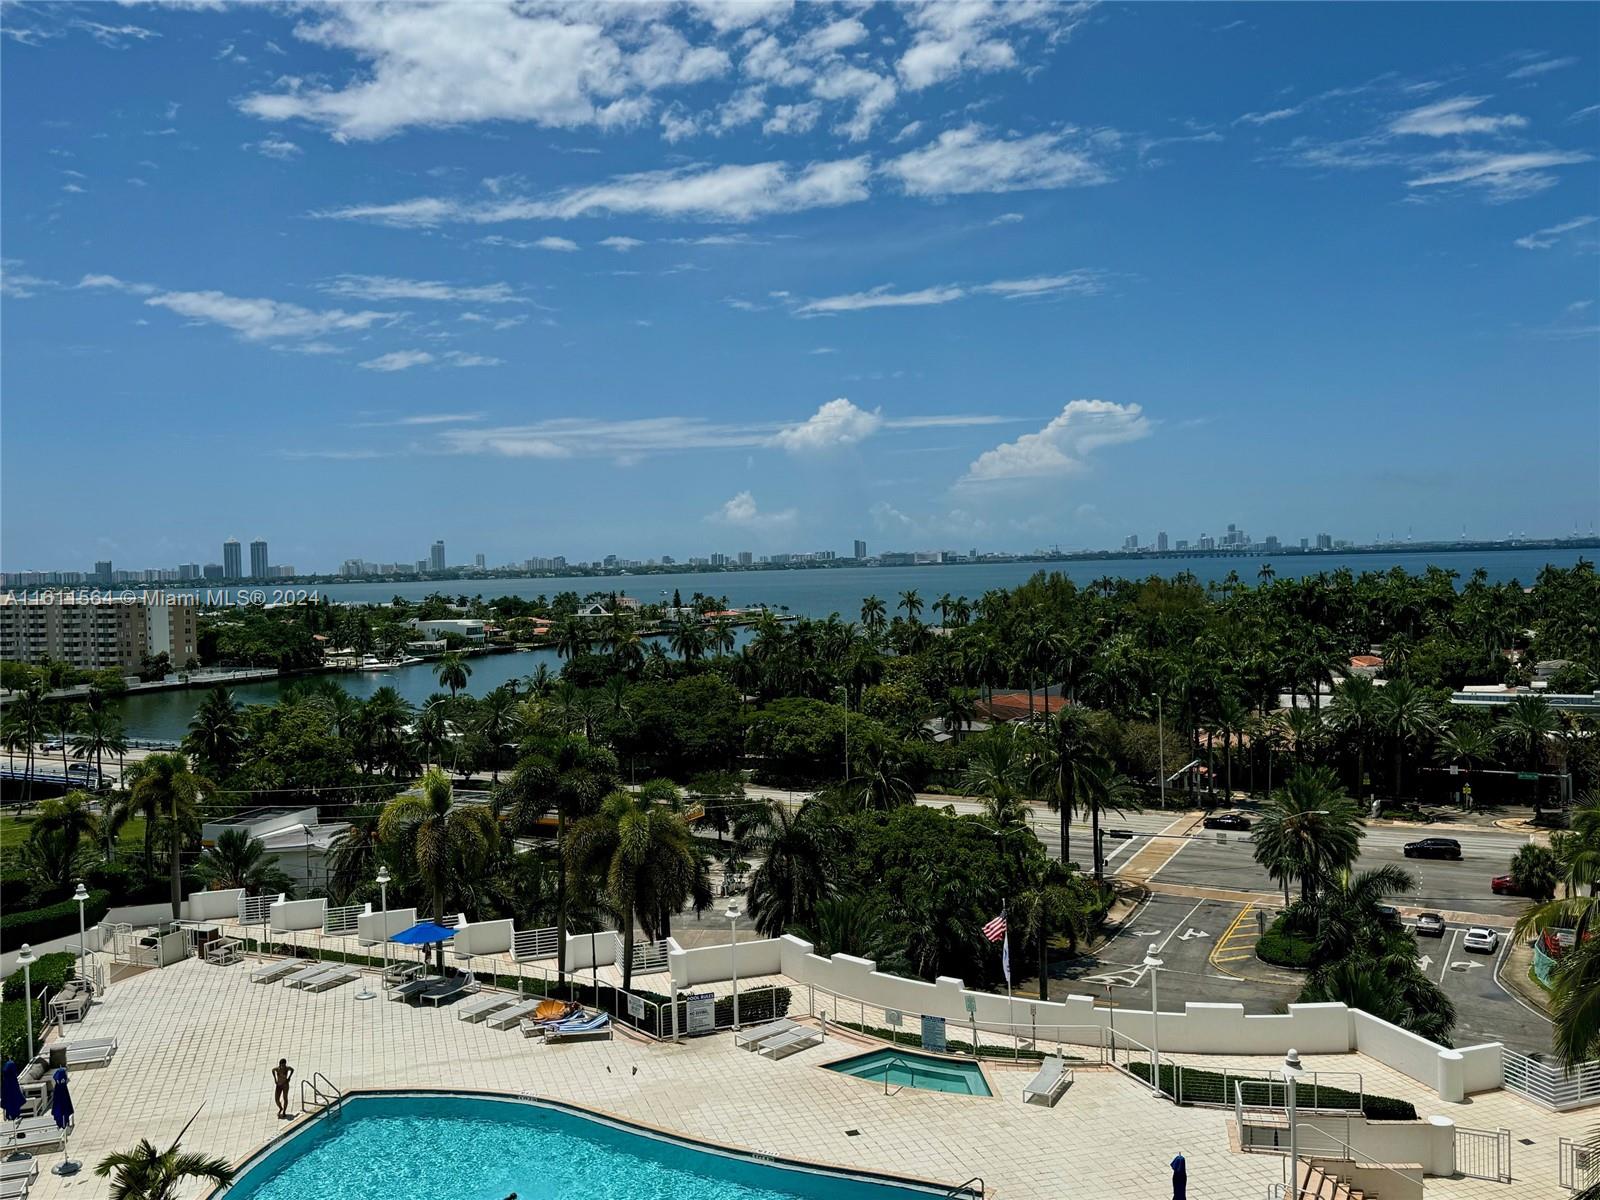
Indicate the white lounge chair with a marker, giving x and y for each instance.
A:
(94, 1052)
(409, 991)
(447, 990)
(506, 1018)
(30, 1133)
(749, 1039)
(401, 972)
(26, 1167)
(597, 1025)
(329, 979)
(1052, 1080)
(483, 1006)
(789, 1043)
(15, 1189)
(305, 974)
(275, 971)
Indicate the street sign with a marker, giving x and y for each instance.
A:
(1527, 776)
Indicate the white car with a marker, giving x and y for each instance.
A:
(1483, 941)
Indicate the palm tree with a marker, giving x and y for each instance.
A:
(453, 672)
(1526, 725)
(387, 714)
(100, 733)
(793, 878)
(448, 842)
(26, 719)
(1575, 989)
(687, 638)
(572, 637)
(722, 637)
(1051, 901)
(1309, 831)
(165, 787)
(874, 615)
(216, 733)
(1356, 713)
(998, 772)
(145, 1173)
(354, 852)
(498, 722)
(1266, 574)
(1110, 792)
(65, 722)
(432, 731)
(876, 781)
(849, 924)
(1068, 768)
(1409, 717)
(72, 816)
(1536, 871)
(571, 781)
(911, 602)
(241, 861)
(644, 851)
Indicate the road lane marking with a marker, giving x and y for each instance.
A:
(1450, 949)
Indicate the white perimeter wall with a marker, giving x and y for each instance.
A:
(481, 937)
(711, 964)
(288, 916)
(375, 927)
(213, 906)
(578, 949)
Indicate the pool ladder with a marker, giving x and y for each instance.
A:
(912, 1082)
(965, 1191)
(318, 1094)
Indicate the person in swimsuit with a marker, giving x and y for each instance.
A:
(281, 1074)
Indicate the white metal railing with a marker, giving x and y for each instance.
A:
(1551, 1084)
(529, 944)
(649, 958)
(342, 921)
(1578, 1164)
(255, 910)
(120, 936)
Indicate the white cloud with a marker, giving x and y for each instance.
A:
(18, 284)
(1453, 117)
(726, 16)
(742, 511)
(387, 287)
(976, 35)
(440, 65)
(621, 244)
(881, 297)
(1540, 67)
(730, 192)
(792, 118)
(1505, 176)
(967, 160)
(275, 147)
(1007, 218)
(460, 358)
(424, 419)
(254, 319)
(1267, 118)
(1063, 446)
(1543, 239)
(836, 423)
(834, 36)
(398, 360)
(873, 95)
(561, 244)
(1078, 283)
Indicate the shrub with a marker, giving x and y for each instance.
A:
(51, 921)
(14, 1029)
(1284, 949)
(1199, 1086)
(48, 971)
(15, 888)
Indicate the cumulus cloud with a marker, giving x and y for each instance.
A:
(742, 511)
(398, 360)
(560, 244)
(1448, 118)
(731, 192)
(837, 423)
(275, 147)
(621, 244)
(967, 160)
(256, 319)
(977, 35)
(388, 287)
(1063, 446)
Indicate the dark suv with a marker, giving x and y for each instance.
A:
(1434, 847)
(1227, 820)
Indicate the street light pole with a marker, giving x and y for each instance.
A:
(1161, 747)
(383, 892)
(81, 895)
(733, 955)
(846, 693)
(1153, 961)
(25, 961)
(1292, 1071)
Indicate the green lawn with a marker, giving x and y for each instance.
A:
(14, 831)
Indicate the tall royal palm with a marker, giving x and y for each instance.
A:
(165, 789)
(216, 733)
(453, 672)
(1527, 725)
(1069, 768)
(448, 843)
(498, 724)
(1308, 831)
(570, 780)
(874, 614)
(1356, 713)
(1409, 717)
(911, 602)
(643, 850)
(27, 716)
(99, 733)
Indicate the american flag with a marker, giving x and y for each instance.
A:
(995, 929)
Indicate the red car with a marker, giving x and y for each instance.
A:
(1502, 885)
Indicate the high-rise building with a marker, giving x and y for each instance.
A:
(1324, 541)
(102, 571)
(93, 635)
(860, 548)
(746, 557)
(232, 560)
(259, 567)
(1305, 543)
(1161, 541)
(1131, 542)
(436, 557)
(478, 561)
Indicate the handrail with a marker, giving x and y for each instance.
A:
(320, 1099)
(910, 1070)
(965, 1189)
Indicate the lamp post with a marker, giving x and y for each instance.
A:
(1292, 1070)
(383, 893)
(25, 961)
(81, 895)
(733, 955)
(1161, 748)
(1153, 961)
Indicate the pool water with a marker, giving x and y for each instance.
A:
(902, 1068)
(454, 1147)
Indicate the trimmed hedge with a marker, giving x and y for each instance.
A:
(48, 971)
(1284, 949)
(52, 921)
(14, 1029)
(953, 1045)
(1216, 1087)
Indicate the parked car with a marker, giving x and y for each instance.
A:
(1505, 885)
(1434, 847)
(1227, 820)
(1481, 941)
(1430, 925)
(1389, 915)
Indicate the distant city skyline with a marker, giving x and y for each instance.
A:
(775, 277)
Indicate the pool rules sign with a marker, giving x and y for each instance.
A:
(700, 1012)
(933, 1034)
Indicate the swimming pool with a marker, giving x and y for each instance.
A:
(905, 1068)
(449, 1146)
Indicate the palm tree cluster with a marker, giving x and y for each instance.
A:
(1570, 925)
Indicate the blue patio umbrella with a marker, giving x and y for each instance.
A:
(423, 933)
(61, 1100)
(11, 1098)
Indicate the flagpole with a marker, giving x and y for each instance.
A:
(1011, 1012)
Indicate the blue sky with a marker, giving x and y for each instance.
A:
(671, 279)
